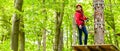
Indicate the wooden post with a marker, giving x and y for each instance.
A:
(98, 21)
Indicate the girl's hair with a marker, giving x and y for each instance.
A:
(81, 8)
(78, 5)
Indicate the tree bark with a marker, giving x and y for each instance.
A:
(99, 21)
(39, 39)
(58, 25)
(74, 37)
(45, 25)
(60, 48)
(15, 25)
(67, 38)
(22, 35)
(44, 40)
(58, 22)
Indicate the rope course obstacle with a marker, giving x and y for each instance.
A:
(98, 31)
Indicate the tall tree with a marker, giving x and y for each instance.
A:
(44, 40)
(74, 32)
(42, 36)
(44, 28)
(15, 24)
(58, 21)
(22, 34)
(99, 21)
(60, 45)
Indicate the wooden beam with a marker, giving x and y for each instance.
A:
(104, 47)
(95, 48)
(114, 48)
(81, 48)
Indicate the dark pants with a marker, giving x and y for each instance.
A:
(80, 35)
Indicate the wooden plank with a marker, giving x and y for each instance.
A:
(103, 47)
(108, 47)
(94, 48)
(81, 48)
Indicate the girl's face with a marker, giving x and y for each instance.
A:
(79, 8)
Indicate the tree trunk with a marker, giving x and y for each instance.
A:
(22, 35)
(58, 26)
(99, 21)
(45, 25)
(44, 40)
(60, 48)
(39, 39)
(15, 25)
(74, 37)
(67, 38)
(58, 22)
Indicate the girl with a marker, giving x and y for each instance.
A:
(80, 22)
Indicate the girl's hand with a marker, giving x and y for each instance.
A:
(80, 26)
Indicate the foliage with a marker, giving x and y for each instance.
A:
(34, 22)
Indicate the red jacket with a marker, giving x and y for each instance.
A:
(79, 18)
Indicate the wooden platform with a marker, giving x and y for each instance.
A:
(95, 48)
